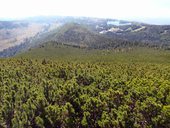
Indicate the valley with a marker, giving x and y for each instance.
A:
(17, 35)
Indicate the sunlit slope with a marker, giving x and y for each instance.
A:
(55, 51)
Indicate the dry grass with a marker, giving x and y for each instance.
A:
(12, 37)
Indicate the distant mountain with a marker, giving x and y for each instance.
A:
(17, 36)
(83, 36)
(151, 34)
(79, 35)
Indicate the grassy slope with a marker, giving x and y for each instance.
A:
(59, 52)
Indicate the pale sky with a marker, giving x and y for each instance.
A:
(138, 10)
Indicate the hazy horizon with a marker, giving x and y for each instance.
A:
(146, 11)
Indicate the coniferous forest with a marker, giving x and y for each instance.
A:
(61, 94)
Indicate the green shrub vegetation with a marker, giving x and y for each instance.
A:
(46, 93)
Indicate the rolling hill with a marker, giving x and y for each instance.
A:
(74, 34)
